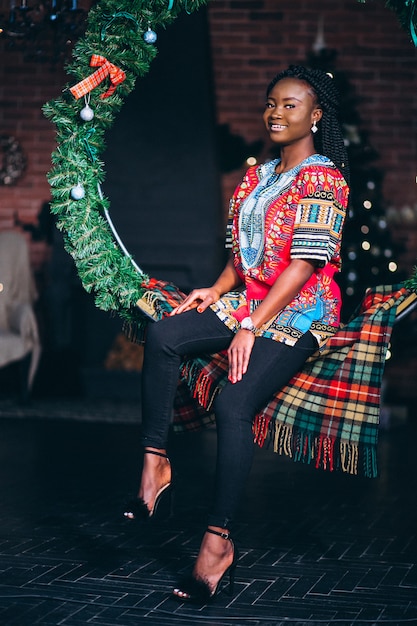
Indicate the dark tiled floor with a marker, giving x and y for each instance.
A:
(315, 548)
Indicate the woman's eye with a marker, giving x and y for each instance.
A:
(269, 105)
(289, 106)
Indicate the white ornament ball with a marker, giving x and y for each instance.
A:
(87, 113)
(150, 36)
(77, 192)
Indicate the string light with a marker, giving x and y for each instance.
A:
(251, 160)
(366, 245)
(367, 204)
(392, 266)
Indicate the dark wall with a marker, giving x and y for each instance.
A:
(160, 161)
(161, 174)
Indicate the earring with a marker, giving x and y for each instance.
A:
(314, 128)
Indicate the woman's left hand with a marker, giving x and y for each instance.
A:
(239, 354)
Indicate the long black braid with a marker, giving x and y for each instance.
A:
(329, 139)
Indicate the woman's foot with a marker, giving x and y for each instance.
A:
(155, 487)
(216, 559)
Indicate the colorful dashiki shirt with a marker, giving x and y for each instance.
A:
(275, 218)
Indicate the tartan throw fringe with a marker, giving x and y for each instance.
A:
(328, 414)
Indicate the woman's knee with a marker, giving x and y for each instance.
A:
(158, 337)
(231, 405)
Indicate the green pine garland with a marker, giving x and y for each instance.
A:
(114, 30)
(406, 11)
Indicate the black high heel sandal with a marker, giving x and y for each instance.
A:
(197, 590)
(136, 508)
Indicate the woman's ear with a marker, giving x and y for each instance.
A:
(317, 115)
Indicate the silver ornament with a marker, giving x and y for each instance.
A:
(150, 36)
(77, 192)
(87, 113)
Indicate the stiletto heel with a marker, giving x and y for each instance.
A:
(197, 590)
(136, 508)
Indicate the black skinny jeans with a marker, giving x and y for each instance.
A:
(272, 364)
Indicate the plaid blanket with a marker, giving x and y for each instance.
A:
(158, 299)
(328, 414)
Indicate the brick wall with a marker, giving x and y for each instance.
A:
(24, 87)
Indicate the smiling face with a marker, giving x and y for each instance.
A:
(291, 109)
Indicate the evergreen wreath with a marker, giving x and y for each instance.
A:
(14, 161)
(119, 41)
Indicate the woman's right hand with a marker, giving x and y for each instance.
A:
(200, 298)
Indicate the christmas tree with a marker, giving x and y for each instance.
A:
(369, 254)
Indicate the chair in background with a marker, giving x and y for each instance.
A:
(19, 336)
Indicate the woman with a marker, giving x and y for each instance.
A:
(285, 229)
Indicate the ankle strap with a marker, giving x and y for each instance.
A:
(164, 456)
(219, 534)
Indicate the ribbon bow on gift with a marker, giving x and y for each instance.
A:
(105, 68)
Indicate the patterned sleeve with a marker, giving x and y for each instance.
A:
(319, 221)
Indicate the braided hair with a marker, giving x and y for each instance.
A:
(329, 140)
